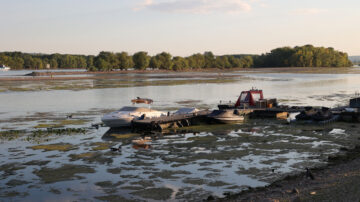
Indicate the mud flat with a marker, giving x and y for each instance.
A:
(338, 181)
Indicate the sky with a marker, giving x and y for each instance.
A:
(180, 27)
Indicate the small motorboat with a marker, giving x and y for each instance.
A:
(139, 100)
(227, 116)
(4, 68)
(124, 116)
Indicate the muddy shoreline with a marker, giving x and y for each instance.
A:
(339, 180)
(71, 75)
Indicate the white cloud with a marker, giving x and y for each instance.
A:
(196, 6)
(309, 11)
(143, 5)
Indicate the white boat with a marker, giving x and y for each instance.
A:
(4, 68)
(124, 116)
(227, 116)
(186, 110)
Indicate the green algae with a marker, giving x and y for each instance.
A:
(54, 147)
(113, 198)
(132, 187)
(169, 174)
(91, 157)
(10, 168)
(15, 182)
(217, 184)
(125, 136)
(11, 134)
(108, 184)
(155, 193)
(9, 194)
(54, 191)
(61, 123)
(195, 181)
(114, 170)
(144, 183)
(98, 146)
(63, 173)
(207, 138)
(36, 163)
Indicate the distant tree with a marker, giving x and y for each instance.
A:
(90, 63)
(179, 64)
(196, 61)
(141, 60)
(154, 63)
(209, 59)
(124, 60)
(165, 60)
(246, 61)
(222, 62)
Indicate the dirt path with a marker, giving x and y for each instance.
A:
(339, 181)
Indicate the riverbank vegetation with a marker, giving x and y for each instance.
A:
(299, 56)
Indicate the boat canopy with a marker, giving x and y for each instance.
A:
(249, 97)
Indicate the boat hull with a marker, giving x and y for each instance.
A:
(228, 120)
(117, 122)
(226, 116)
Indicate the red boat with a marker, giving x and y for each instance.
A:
(253, 98)
(139, 100)
(249, 98)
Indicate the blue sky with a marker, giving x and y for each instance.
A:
(181, 27)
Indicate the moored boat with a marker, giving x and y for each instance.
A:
(124, 116)
(227, 116)
(4, 68)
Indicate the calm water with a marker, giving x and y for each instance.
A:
(185, 165)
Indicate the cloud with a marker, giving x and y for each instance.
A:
(196, 6)
(309, 11)
(143, 5)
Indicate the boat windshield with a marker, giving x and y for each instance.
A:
(256, 96)
(244, 97)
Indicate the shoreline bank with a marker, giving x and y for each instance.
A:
(339, 180)
(67, 75)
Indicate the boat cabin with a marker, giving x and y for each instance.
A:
(249, 98)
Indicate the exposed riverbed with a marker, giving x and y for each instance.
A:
(74, 160)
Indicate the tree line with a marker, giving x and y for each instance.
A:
(299, 56)
(303, 56)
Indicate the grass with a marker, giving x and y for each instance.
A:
(61, 123)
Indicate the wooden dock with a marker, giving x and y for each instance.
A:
(173, 121)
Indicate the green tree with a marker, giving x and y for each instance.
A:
(209, 59)
(165, 60)
(222, 62)
(196, 61)
(154, 63)
(180, 63)
(141, 60)
(124, 60)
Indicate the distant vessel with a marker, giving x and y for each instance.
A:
(4, 68)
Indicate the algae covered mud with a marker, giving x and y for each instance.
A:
(45, 153)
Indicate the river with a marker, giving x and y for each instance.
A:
(185, 165)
